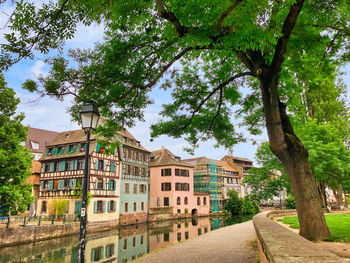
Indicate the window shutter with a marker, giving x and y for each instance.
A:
(112, 249)
(109, 206)
(62, 150)
(85, 145)
(47, 152)
(79, 148)
(41, 185)
(50, 185)
(96, 165)
(43, 167)
(101, 251)
(59, 185)
(62, 166)
(56, 152)
(75, 164)
(104, 183)
(115, 184)
(71, 168)
(92, 255)
(104, 165)
(98, 148)
(84, 164)
(52, 167)
(104, 207)
(96, 183)
(95, 207)
(112, 166)
(73, 150)
(68, 149)
(162, 172)
(107, 250)
(109, 184)
(74, 183)
(71, 185)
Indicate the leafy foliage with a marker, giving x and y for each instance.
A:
(240, 206)
(15, 194)
(290, 202)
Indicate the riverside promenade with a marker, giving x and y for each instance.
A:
(229, 244)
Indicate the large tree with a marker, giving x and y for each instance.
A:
(16, 160)
(211, 48)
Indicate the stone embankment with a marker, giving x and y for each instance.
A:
(277, 244)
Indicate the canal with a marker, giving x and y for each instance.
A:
(120, 245)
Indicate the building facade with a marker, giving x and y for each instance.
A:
(36, 142)
(62, 173)
(134, 180)
(172, 188)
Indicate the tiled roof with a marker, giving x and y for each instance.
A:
(164, 157)
(226, 166)
(237, 158)
(36, 167)
(40, 136)
(200, 161)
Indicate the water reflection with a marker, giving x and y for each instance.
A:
(123, 245)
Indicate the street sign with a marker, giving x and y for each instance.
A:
(82, 212)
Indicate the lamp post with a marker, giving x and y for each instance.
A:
(89, 117)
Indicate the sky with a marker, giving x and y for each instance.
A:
(51, 114)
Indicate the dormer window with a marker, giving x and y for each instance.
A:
(50, 151)
(35, 145)
(82, 147)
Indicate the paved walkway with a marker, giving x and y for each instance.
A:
(228, 244)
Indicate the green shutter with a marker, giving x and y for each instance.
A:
(92, 255)
(74, 183)
(101, 251)
(85, 145)
(52, 167)
(95, 207)
(62, 166)
(71, 184)
(96, 183)
(107, 251)
(75, 164)
(104, 165)
(43, 167)
(104, 207)
(115, 185)
(62, 150)
(98, 148)
(73, 149)
(109, 206)
(68, 149)
(50, 185)
(41, 185)
(112, 166)
(96, 165)
(113, 250)
(77, 206)
(47, 152)
(109, 184)
(104, 184)
(79, 147)
(56, 152)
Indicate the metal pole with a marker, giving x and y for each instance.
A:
(82, 234)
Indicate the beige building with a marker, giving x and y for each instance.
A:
(62, 173)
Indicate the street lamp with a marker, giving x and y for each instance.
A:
(89, 117)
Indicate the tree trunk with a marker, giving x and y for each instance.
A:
(339, 195)
(8, 220)
(294, 157)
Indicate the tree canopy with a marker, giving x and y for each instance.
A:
(15, 194)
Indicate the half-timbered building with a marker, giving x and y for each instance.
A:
(62, 173)
(134, 180)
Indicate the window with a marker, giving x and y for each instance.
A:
(136, 170)
(111, 206)
(35, 145)
(129, 168)
(43, 207)
(166, 237)
(186, 200)
(144, 157)
(77, 207)
(166, 172)
(186, 235)
(125, 246)
(178, 236)
(126, 188)
(99, 184)
(100, 165)
(127, 153)
(198, 201)
(199, 231)
(134, 241)
(182, 186)
(142, 188)
(134, 206)
(205, 230)
(135, 188)
(96, 254)
(166, 186)
(111, 185)
(180, 172)
(109, 250)
(142, 206)
(141, 240)
(82, 147)
(112, 166)
(136, 156)
(166, 201)
(179, 211)
(178, 200)
(81, 164)
(204, 201)
(99, 207)
(178, 225)
(126, 206)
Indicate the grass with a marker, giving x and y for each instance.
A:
(338, 224)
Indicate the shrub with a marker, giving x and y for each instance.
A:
(186, 211)
(290, 202)
(234, 204)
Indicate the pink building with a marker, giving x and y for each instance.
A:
(171, 187)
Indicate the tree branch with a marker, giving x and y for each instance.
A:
(170, 16)
(220, 86)
(287, 30)
(224, 14)
(218, 111)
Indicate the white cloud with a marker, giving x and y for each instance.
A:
(38, 68)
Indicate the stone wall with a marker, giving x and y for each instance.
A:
(128, 219)
(280, 245)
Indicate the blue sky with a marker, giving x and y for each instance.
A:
(51, 114)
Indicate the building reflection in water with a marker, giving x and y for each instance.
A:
(123, 245)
